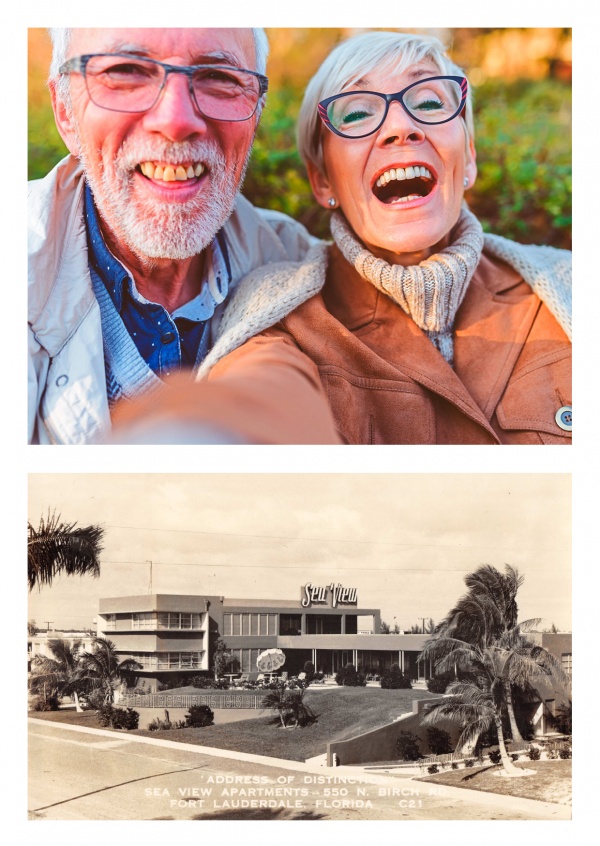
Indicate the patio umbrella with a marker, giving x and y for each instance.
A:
(270, 660)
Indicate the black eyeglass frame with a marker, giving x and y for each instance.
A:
(78, 64)
(391, 98)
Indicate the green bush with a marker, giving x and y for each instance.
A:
(495, 756)
(438, 741)
(199, 716)
(565, 753)
(408, 746)
(395, 679)
(533, 753)
(469, 763)
(432, 769)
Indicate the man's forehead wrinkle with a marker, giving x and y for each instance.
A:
(202, 57)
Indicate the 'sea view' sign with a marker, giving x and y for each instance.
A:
(333, 595)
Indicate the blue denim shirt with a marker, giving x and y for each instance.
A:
(166, 342)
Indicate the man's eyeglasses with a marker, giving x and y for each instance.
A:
(357, 114)
(123, 82)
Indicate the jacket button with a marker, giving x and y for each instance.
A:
(564, 418)
(168, 337)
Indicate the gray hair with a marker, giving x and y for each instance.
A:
(357, 57)
(61, 40)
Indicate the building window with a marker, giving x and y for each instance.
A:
(110, 621)
(566, 660)
(249, 624)
(173, 660)
(290, 624)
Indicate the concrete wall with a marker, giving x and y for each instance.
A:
(380, 744)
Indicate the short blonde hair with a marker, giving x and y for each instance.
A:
(357, 57)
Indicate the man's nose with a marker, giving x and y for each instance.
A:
(175, 114)
(399, 127)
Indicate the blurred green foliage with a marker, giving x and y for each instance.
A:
(523, 141)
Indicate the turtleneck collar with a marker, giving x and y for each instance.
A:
(430, 292)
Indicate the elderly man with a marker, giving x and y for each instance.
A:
(139, 236)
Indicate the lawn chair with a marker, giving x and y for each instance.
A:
(241, 681)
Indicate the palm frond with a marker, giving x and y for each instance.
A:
(57, 547)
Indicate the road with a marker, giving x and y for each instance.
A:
(87, 775)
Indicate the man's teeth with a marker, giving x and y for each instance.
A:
(403, 173)
(171, 173)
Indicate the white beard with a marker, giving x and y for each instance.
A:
(154, 229)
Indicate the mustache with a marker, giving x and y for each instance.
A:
(133, 152)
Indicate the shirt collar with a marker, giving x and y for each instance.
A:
(115, 276)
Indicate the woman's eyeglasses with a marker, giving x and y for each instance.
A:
(356, 114)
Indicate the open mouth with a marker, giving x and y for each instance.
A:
(162, 172)
(401, 185)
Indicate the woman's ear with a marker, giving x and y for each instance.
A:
(64, 120)
(470, 163)
(320, 185)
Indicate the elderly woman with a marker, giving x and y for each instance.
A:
(421, 328)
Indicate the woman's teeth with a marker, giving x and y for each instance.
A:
(171, 173)
(403, 173)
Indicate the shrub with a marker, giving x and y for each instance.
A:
(46, 703)
(118, 718)
(199, 716)
(552, 754)
(408, 746)
(469, 763)
(565, 753)
(349, 677)
(309, 669)
(438, 684)
(395, 679)
(454, 765)
(433, 769)
(495, 756)
(533, 753)
(514, 756)
(438, 741)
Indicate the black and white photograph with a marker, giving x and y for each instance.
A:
(299, 647)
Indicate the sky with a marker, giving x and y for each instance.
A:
(405, 541)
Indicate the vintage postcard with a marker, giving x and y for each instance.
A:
(299, 647)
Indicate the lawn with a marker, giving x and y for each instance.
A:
(342, 712)
(551, 782)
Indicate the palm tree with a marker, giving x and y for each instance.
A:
(61, 548)
(488, 616)
(289, 704)
(476, 704)
(58, 674)
(102, 669)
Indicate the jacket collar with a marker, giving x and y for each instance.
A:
(483, 358)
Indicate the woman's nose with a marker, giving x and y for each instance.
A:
(399, 127)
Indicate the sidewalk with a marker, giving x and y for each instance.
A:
(507, 804)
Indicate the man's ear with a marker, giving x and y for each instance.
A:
(470, 163)
(320, 185)
(64, 120)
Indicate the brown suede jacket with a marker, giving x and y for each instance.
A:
(387, 384)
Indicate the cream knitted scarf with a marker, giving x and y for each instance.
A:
(430, 292)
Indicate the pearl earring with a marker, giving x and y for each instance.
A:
(332, 202)
(466, 182)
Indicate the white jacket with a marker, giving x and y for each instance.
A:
(66, 379)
